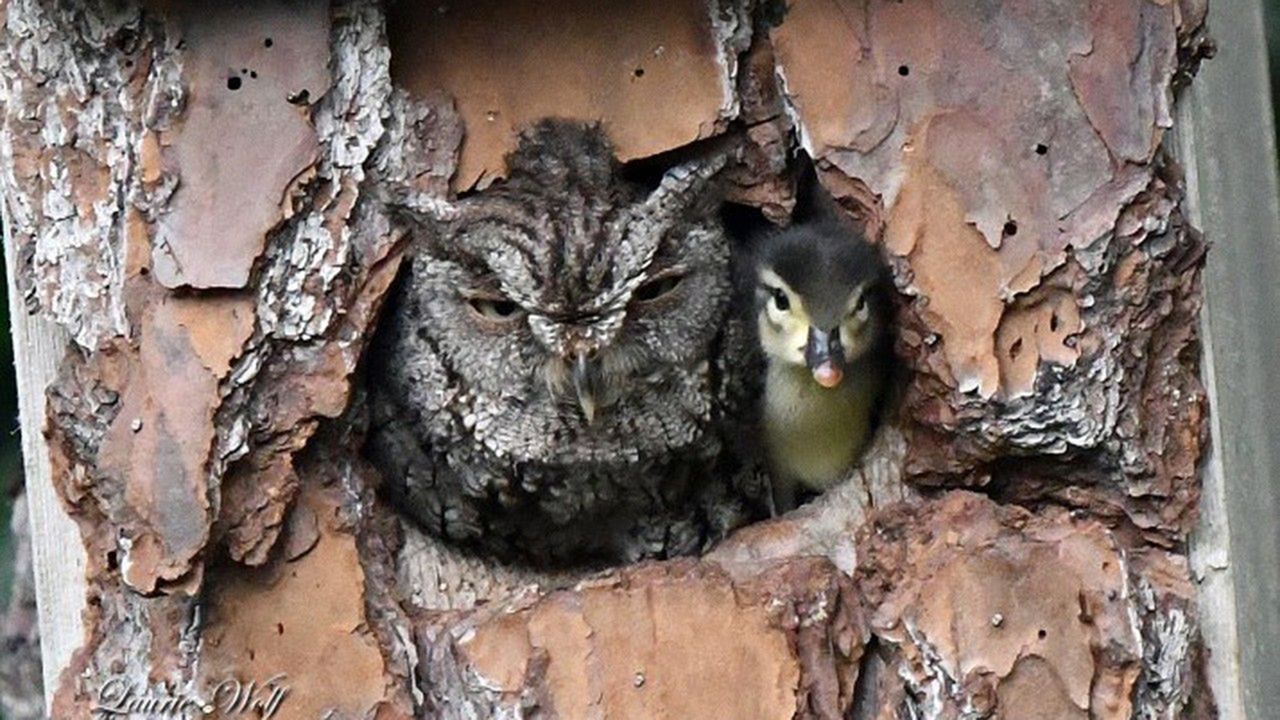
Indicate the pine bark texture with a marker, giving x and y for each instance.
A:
(203, 196)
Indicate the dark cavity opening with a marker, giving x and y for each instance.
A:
(747, 226)
(398, 444)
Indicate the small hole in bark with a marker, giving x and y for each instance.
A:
(1085, 615)
(1054, 322)
(903, 70)
(252, 655)
(279, 628)
(1042, 634)
(113, 560)
(253, 74)
(233, 83)
(302, 97)
(268, 42)
(1015, 349)
(1010, 228)
(1042, 149)
(639, 72)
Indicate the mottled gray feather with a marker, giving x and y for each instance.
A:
(475, 423)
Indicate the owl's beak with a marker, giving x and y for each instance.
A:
(584, 384)
(825, 356)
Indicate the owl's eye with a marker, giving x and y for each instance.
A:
(657, 287)
(859, 306)
(780, 299)
(493, 308)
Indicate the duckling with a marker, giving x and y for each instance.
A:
(821, 325)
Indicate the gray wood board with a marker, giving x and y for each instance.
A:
(1225, 136)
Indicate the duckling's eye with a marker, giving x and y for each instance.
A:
(859, 306)
(493, 308)
(780, 299)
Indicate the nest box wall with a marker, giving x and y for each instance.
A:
(202, 198)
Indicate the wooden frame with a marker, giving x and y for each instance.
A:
(58, 555)
(1226, 142)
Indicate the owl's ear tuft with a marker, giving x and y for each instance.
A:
(564, 151)
(415, 220)
(688, 189)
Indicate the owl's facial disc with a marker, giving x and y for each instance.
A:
(591, 369)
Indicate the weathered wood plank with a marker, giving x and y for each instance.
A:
(38, 345)
(1226, 141)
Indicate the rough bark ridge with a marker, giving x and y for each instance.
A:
(202, 367)
(204, 433)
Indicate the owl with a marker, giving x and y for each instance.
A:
(551, 383)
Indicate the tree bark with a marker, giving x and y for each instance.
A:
(204, 198)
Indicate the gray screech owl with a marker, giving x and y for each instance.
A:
(550, 382)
